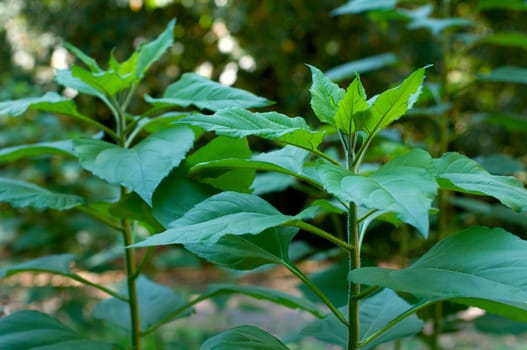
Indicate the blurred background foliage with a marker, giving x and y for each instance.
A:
(474, 101)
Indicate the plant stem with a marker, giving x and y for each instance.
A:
(321, 233)
(353, 288)
(133, 300)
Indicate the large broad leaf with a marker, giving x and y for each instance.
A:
(458, 173)
(405, 186)
(243, 338)
(480, 266)
(325, 95)
(375, 313)
(358, 6)
(353, 103)
(24, 194)
(222, 214)
(507, 74)
(364, 65)
(32, 330)
(140, 168)
(249, 251)
(237, 122)
(152, 51)
(194, 90)
(157, 304)
(50, 102)
(272, 295)
(57, 264)
(392, 104)
(11, 154)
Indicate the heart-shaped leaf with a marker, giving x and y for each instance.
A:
(32, 330)
(140, 168)
(237, 122)
(227, 213)
(456, 172)
(156, 305)
(405, 186)
(243, 338)
(480, 266)
(24, 194)
(195, 90)
(325, 96)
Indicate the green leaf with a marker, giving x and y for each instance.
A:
(11, 154)
(271, 182)
(332, 281)
(513, 123)
(392, 104)
(152, 51)
(65, 78)
(238, 123)
(87, 60)
(350, 106)
(24, 194)
(243, 338)
(58, 264)
(375, 313)
(420, 18)
(132, 207)
(140, 168)
(106, 82)
(272, 295)
(325, 95)
(509, 39)
(358, 6)
(364, 65)
(405, 186)
(194, 90)
(456, 172)
(507, 74)
(50, 102)
(249, 251)
(156, 305)
(480, 266)
(222, 214)
(517, 5)
(32, 330)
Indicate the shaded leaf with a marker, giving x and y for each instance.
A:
(140, 168)
(517, 5)
(479, 266)
(507, 74)
(194, 90)
(222, 214)
(513, 123)
(24, 194)
(11, 154)
(243, 338)
(509, 39)
(325, 95)
(358, 6)
(364, 65)
(156, 304)
(32, 330)
(236, 122)
(456, 172)
(132, 207)
(405, 186)
(50, 102)
(375, 313)
(58, 264)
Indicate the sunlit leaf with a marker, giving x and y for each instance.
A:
(65, 78)
(480, 266)
(236, 122)
(325, 95)
(353, 103)
(243, 338)
(106, 82)
(375, 313)
(358, 6)
(457, 172)
(87, 60)
(24, 194)
(195, 90)
(227, 213)
(156, 304)
(14, 153)
(363, 65)
(405, 186)
(140, 168)
(152, 51)
(32, 330)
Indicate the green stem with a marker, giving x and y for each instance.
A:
(98, 286)
(353, 288)
(317, 291)
(321, 233)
